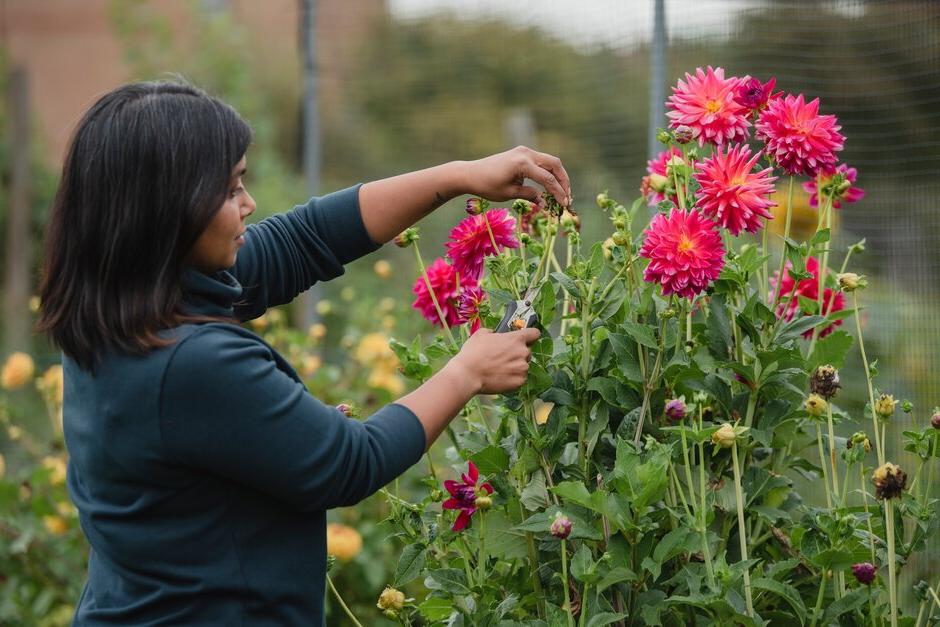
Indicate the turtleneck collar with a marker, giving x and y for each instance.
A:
(210, 295)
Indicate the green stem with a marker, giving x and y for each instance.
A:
(823, 268)
(892, 580)
(489, 229)
(817, 610)
(832, 451)
(871, 532)
(482, 559)
(703, 524)
(742, 531)
(786, 236)
(822, 465)
(341, 602)
(871, 391)
(583, 612)
(437, 305)
(564, 582)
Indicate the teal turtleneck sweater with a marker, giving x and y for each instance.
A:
(202, 471)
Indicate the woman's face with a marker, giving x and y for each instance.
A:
(219, 242)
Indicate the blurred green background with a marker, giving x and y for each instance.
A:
(406, 84)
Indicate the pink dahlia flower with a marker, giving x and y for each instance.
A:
(801, 140)
(732, 193)
(706, 104)
(468, 306)
(685, 252)
(846, 193)
(655, 191)
(751, 94)
(444, 281)
(791, 290)
(463, 496)
(469, 242)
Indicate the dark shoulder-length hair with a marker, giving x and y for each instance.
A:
(147, 168)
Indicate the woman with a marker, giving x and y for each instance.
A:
(200, 465)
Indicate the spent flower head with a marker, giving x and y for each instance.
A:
(815, 405)
(391, 599)
(825, 381)
(849, 281)
(725, 437)
(864, 572)
(884, 406)
(889, 481)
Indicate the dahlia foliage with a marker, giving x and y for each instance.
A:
(685, 391)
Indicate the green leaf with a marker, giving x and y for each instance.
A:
(503, 539)
(567, 283)
(545, 303)
(491, 460)
(626, 351)
(821, 237)
(718, 328)
(436, 609)
(575, 492)
(615, 576)
(410, 564)
(849, 603)
(604, 618)
(535, 496)
(831, 349)
(449, 580)
(785, 591)
(583, 567)
(542, 522)
(798, 327)
(612, 302)
(641, 333)
(607, 388)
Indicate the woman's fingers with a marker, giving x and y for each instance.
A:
(554, 167)
(547, 179)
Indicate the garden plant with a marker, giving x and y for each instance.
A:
(685, 384)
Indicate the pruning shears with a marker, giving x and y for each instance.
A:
(520, 314)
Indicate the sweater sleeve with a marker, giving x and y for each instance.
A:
(226, 408)
(286, 253)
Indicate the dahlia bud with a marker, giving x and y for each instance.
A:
(476, 206)
(692, 153)
(889, 481)
(907, 406)
(391, 599)
(561, 526)
(815, 405)
(884, 406)
(346, 409)
(674, 162)
(620, 238)
(683, 134)
(658, 182)
(604, 201)
(522, 207)
(725, 436)
(525, 239)
(849, 281)
(935, 419)
(483, 503)
(825, 381)
(663, 136)
(859, 437)
(675, 408)
(407, 237)
(620, 224)
(570, 221)
(607, 247)
(864, 572)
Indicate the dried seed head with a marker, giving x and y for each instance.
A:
(391, 599)
(884, 406)
(889, 481)
(825, 381)
(725, 436)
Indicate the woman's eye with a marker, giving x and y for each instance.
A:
(236, 191)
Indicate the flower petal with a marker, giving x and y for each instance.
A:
(463, 519)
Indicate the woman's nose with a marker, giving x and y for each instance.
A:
(249, 206)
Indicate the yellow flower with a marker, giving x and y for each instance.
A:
(56, 525)
(66, 509)
(373, 349)
(383, 268)
(802, 217)
(324, 307)
(347, 294)
(542, 410)
(316, 332)
(309, 365)
(51, 384)
(260, 323)
(56, 467)
(391, 599)
(384, 379)
(17, 371)
(342, 541)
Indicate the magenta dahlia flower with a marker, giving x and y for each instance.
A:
(468, 306)
(685, 252)
(801, 140)
(469, 242)
(463, 496)
(753, 95)
(444, 281)
(844, 193)
(706, 104)
(654, 189)
(791, 290)
(732, 193)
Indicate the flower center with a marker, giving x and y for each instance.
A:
(712, 106)
(685, 243)
(467, 494)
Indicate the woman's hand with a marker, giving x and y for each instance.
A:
(493, 363)
(502, 176)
